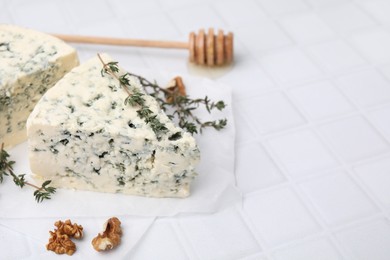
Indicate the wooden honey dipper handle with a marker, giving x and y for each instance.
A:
(121, 41)
(205, 49)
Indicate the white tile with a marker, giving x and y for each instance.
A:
(378, 9)
(255, 169)
(133, 8)
(165, 243)
(128, 58)
(323, 3)
(386, 71)
(281, 7)
(244, 131)
(346, 17)
(318, 249)
(5, 16)
(239, 12)
(85, 13)
(143, 27)
(367, 241)
(241, 53)
(320, 100)
(44, 11)
(247, 79)
(336, 56)
(165, 60)
(254, 257)
(111, 28)
(223, 235)
(307, 28)
(338, 198)
(302, 153)
(194, 18)
(379, 118)
(376, 176)
(366, 87)
(373, 44)
(279, 216)
(290, 66)
(169, 4)
(271, 112)
(353, 138)
(253, 35)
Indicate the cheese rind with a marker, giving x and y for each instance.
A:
(82, 136)
(30, 63)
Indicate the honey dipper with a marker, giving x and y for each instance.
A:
(205, 48)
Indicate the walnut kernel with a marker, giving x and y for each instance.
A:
(72, 230)
(60, 243)
(177, 88)
(110, 237)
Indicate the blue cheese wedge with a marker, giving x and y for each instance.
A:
(82, 136)
(30, 63)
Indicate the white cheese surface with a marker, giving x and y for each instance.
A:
(30, 63)
(82, 136)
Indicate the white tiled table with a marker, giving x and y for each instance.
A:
(311, 95)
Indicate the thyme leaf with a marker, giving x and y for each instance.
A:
(6, 169)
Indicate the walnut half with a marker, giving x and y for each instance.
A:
(60, 243)
(72, 230)
(110, 237)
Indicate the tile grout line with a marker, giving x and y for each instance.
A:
(247, 223)
(309, 125)
(312, 210)
(362, 113)
(359, 110)
(348, 169)
(257, 235)
(180, 234)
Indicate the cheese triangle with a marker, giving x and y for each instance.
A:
(30, 63)
(82, 136)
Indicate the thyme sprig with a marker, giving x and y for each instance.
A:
(178, 107)
(6, 169)
(134, 98)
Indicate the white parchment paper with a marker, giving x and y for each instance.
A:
(212, 190)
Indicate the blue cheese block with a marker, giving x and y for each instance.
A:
(30, 63)
(82, 136)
